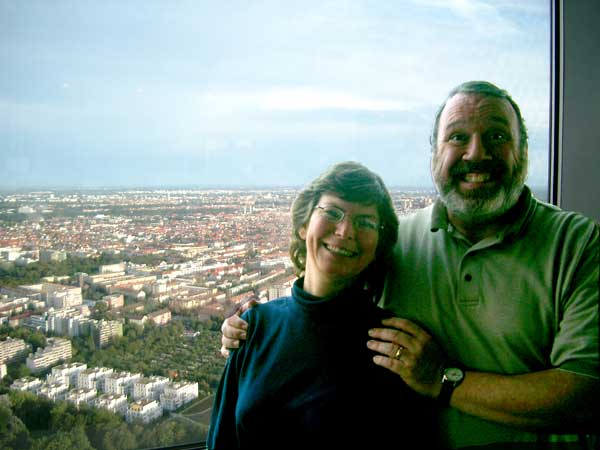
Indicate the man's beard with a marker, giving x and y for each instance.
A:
(485, 204)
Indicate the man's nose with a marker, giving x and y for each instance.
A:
(476, 149)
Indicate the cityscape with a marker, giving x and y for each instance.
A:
(112, 299)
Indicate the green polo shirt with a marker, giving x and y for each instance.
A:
(521, 301)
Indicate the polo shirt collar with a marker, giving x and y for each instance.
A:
(516, 218)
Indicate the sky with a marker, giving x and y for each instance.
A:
(132, 93)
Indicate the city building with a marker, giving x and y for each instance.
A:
(81, 395)
(144, 410)
(67, 374)
(11, 349)
(104, 331)
(61, 296)
(118, 268)
(10, 305)
(178, 394)
(281, 289)
(149, 388)
(70, 321)
(121, 383)
(49, 255)
(160, 317)
(53, 390)
(56, 350)
(116, 403)
(114, 301)
(10, 253)
(30, 384)
(93, 378)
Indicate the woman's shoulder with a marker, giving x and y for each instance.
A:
(266, 309)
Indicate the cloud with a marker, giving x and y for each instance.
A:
(484, 17)
(301, 99)
(297, 99)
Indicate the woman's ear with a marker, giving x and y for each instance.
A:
(302, 232)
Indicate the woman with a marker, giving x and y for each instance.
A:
(290, 384)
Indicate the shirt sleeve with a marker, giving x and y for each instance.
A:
(576, 345)
(222, 432)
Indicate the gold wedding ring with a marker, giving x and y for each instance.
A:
(398, 352)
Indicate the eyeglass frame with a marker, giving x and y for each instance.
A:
(324, 208)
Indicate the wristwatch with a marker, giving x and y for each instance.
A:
(451, 378)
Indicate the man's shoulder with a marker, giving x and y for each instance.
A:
(551, 216)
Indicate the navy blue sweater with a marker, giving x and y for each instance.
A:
(305, 379)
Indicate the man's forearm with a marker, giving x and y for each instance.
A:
(553, 400)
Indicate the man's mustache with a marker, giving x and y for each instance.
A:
(493, 167)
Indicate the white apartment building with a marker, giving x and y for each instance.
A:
(64, 321)
(67, 373)
(11, 306)
(104, 331)
(149, 388)
(279, 290)
(178, 394)
(75, 326)
(53, 391)
(61, 296)
(160, 291)
(3, 370)
(31, 384)
(56, 350)
(144, 410)
(81, 395)
(160, 317)
(118, 268)
(48, 255)
(38, 322)
(11, 348)
(114, 301)
(93, 378)
(10, 253)
(121, 383)
(114, 403)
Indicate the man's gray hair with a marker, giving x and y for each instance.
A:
(486, 89)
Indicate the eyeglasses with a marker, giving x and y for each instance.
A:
(333, 214)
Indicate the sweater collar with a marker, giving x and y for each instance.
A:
(347, 298)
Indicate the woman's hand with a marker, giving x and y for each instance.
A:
(409, 351)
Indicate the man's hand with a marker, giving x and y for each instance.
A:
(409, 351)
(234, 328)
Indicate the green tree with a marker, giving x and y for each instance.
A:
(101, 308)
(37, 340)
(132, 331)
(13, 432)
(33, 411)
(120, 438)
(101, 422)
(65, 416)
(18, 370)
(74, 439)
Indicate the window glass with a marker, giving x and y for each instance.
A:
(150, 151)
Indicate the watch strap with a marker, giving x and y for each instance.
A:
(448, 386)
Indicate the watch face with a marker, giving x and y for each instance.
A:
(453, 374)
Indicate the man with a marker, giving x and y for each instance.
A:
(506, 284)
